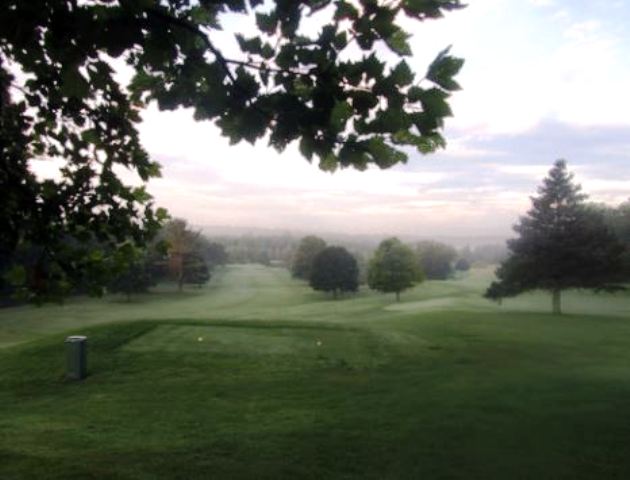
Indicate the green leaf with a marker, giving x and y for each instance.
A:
(266, 23)
(140, 195)
(150, 170)
(161, 214)
(204, 16)
(363, 102)
(402, 74)
(354, 154)
(397, 42)
(424, 9)
(415, 94)
(286, 57)
(430, 143)
(384, 155)
(267, 51)
(434, 103)
(390, 120)
(339, 115)
(346, 11)
(329, 163)
(327, 34)
(246, 84)
(372, 66)
(154, 170)
(302, 89)
(90, 136)
(423, 143)
(307, 147)
(341, 41)
(253, 124)
(73, 84)
(443, 69)
(250, 45)
(383, 22)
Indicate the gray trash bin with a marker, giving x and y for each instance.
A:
(76, 357)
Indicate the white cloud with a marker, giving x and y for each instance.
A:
(561, 15)
(542, 3)
(583, 30)
(528, 171)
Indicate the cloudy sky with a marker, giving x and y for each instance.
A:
(543, 79)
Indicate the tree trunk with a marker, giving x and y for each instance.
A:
(556, 305)
(398, 296)
(176, 267)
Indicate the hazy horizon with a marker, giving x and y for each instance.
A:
(216, 231)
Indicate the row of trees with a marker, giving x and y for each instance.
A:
(280, 249)
(392, 268)
(563, 243)
(177, 254)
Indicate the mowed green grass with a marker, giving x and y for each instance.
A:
(256, 376)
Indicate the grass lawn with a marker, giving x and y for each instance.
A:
(256, 376)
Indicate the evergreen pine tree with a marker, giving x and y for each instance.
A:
(561, 245)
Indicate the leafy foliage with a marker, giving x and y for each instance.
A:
(305, 254)
(393, 268)
(334, 270)
(618, 221)
(134, 277)
(561, 245)
(436, 259)
(195, 269)
(60, 98)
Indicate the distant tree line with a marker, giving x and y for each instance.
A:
(391, 268)
(281, 250)
(177, 254)
(262, 249)
(563, 243)
(484, 255)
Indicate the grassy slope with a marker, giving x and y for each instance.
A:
(259, 293)
(231, 382)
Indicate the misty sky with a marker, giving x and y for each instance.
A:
(543, 79)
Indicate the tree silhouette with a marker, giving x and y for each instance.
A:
(182, 243)
(561, 245)
(334, 270)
